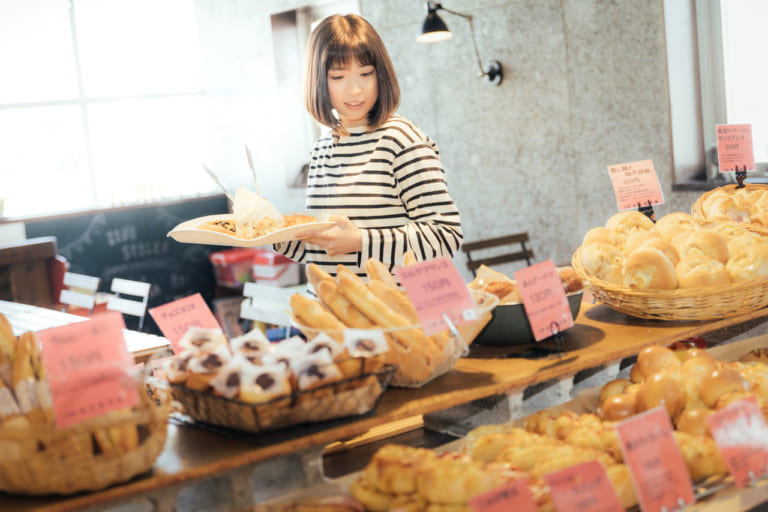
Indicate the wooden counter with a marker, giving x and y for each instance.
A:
(601, 336)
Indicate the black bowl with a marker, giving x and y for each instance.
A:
(509, 324)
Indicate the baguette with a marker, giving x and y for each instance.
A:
(25, 384)
(377, 271)
(311, 313)
(7, 338)
(395, 299)
(409, 259)
(382, 315)
(329, 294)
(316, 275)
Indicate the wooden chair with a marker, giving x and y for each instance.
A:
(80, 290)
(137, 308)
(519, 238)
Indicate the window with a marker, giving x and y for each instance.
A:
(101, 104)
(715, 77)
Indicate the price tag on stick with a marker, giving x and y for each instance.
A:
(655, 462)
(581, 488)
(636, 184)
(742, 437)
(544, 299)
(436, 288)
(734, 148)
(88, 368)
(175, 318)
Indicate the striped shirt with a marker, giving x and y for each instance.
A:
(391, 184)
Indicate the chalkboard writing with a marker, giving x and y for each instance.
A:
(132, 243)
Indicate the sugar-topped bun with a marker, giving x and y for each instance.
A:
(695, 271)
(600, 234)
(750, 262)
(603, 261)
(627, 222)
(709, 242)
(649, 268)
(672, 224)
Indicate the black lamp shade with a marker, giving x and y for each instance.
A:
(433, 29)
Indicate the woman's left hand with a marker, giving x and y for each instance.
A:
(343, 238)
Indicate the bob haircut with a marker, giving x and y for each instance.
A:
(335, 41)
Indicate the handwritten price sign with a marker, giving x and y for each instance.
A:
(544, 299)
(635, 184)
(581, 488)
(734, 147)
(175, 318)
(435, 287)
(515, 496)
(88, 366)
(742, 437)
(655, 462)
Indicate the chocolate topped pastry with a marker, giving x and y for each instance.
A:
(253, 341)
(263, 383)
(226, 383)
(202, 340)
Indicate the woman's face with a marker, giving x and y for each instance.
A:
(353, 90)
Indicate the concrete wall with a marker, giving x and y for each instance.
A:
(585, 87)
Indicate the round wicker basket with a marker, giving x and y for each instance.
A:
(49, 460)
(697, 210)
(681, 304)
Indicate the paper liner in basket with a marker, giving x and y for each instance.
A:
(349, 397)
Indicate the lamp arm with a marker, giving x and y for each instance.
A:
(468, 17)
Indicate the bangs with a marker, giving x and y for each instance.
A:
(340, 53)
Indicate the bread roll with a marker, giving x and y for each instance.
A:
(613, 388)
(618, 407)
(673, 224)
(600, 234)
(655, 359)
(625, 223)
(648, 268)
(664, 246)
(7, 338)
(570, 279)
(748, 263)
(695, 271)
(604, 261)
(726, 207)
(694, 421)
(709, 242)
(637, 239)
(720, 382)
(662, 389)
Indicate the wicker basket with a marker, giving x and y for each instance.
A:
(697, 210)
(49, 460)
(349, 397)
(681, 304)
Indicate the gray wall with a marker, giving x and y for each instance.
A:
(585, 86)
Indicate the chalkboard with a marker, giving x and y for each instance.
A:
(132, 243)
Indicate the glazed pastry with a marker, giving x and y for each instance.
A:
(202, 340)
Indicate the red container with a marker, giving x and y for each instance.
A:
(275, 269)
(232, 267)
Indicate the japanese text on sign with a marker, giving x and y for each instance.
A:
(635, 184)
(544, 299)
(88, 368)
(515, 496)
(436, 288)
(734, 147)
(175, 318)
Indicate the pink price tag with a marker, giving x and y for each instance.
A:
(734, 147)
(515, 496)
(544, 299)
(657, 467)
(635, 184)
(88, 368)
(741, 435)
(175, 318)
(582, 488)
(435, 287)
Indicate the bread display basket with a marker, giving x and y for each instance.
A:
(680, 304)
(349, 397)
(88, 456)
(758, 207)
(418, 358)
